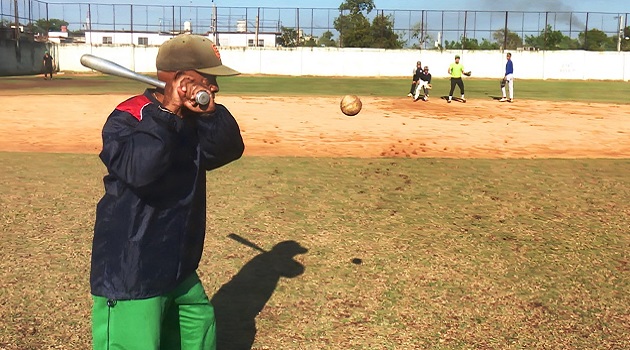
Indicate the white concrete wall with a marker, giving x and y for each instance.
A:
(318, 61)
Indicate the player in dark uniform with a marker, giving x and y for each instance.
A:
(414, 78)
(49, 64)
(423, 84)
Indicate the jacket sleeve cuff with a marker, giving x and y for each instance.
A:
(163, 117)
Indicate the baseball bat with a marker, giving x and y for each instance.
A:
(109, 67)
(246, 242)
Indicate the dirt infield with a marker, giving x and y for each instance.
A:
(315, 127)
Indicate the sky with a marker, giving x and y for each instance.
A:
(482, 25)
(610, 6)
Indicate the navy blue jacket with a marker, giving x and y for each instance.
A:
(425, 77)
(150, 224)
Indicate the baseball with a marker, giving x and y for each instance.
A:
(350, 105)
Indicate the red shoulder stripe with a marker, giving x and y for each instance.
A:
(134, 106)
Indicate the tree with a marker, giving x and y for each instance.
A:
(471, 44)
(488, 45)
(568, 44)
(43, 26)
(355, 29)
(426, 41)
(288, 37)
(6, 23)
(382, 32)
(310, 42)
(327, 39)
(357, 6)
(550, 39)
(419, 32)
(513, 40)
(596, 40)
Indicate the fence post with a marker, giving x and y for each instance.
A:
(131, 24)
(586, 32)
(88, 25)
(17, 22)
(297, 20)
(340, 29)
(442, 28)
(257, 25)
(545, 32)
(422, 41)
(505, 33)
(464, 38)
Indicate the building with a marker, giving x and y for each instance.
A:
(239, 38)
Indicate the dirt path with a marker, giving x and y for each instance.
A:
(314, 127)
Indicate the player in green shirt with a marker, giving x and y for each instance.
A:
(455, 70)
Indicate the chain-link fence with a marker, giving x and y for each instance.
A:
(415, 28)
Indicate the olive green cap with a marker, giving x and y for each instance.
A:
(191, 52)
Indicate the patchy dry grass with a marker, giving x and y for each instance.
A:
(402, 253)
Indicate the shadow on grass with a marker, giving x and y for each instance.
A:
(238, 302)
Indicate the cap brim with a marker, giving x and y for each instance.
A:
(219, 71)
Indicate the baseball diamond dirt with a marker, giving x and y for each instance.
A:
(315, 127)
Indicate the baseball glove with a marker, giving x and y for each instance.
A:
(503, 82)
(468, 73)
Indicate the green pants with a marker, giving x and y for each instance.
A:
(180, 320)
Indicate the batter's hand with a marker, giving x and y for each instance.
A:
(179, 94)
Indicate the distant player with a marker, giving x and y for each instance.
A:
(414, 79)
(508, 79)
(423, 84)
(455, 70)
(49, 65)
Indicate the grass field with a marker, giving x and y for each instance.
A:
(455, 253)
(402, 253)
(554, 90)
